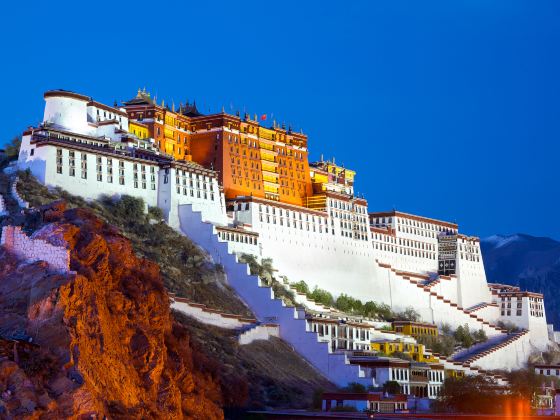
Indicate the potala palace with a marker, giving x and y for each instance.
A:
(234, 186)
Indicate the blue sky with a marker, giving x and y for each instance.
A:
(445, 109)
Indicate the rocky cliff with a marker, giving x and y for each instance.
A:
(99, 340)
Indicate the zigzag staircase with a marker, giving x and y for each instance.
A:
(268, 309)
(471, 356)
(419, 281)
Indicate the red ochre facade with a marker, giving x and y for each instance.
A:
(251, 160)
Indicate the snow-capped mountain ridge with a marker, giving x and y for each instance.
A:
(530, 262)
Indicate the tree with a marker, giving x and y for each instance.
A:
(264, 269)
(445, 328)
(470, 394)
(381, 311)
(442, 344)
(301, 287)
(354, 387)
(480, 336)
(525, 383)
(385, 312)
(348, 304)
(155, 213)
(509, 326)
(129, 208)
(12, 148)
(322, 296)
(409, 314)
(463, 336)
(392, 387)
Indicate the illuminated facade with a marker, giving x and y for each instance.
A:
(233, 185)
(252, 160)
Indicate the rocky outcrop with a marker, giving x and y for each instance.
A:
(104, 341)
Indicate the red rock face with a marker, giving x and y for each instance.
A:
(107, 344)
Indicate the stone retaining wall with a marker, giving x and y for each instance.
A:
(258, 332)
(3, 210)
(21, 202)
(31, 250)
(209, 316)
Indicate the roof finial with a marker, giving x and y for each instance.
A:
(172, 105)
(139, 94)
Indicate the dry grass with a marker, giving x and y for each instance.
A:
(276, 375)
(186, 269)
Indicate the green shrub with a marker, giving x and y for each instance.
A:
(301, 287)
(129, 208)
(509, 326)
(155, 213)
(409, 314)
(392, 387)
(322, 296)
(354, 387)
(12, 148)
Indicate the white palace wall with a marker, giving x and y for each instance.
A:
(67, 112)
(313, 253)
(96, 172)
(267, 309)
(473, 287)
(448, 287)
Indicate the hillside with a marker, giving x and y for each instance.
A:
(185, 268)
(100, 342)
(532, 263)
(258, 375)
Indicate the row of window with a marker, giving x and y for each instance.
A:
(110, 117)
(294, 223)
(404, 242)
(346, 205)
(237, 237)
(404, 251)
(340, 331)
(199, 194)
(191, 183)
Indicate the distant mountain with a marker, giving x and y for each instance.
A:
(532, 263)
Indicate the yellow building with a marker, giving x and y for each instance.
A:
(416, 351)
(328, 176)
(415, 329)
(451, 373)
(138, 129)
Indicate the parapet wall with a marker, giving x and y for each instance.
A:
(17, 242)
(3, 210)
(259, 332)
(21, 202)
